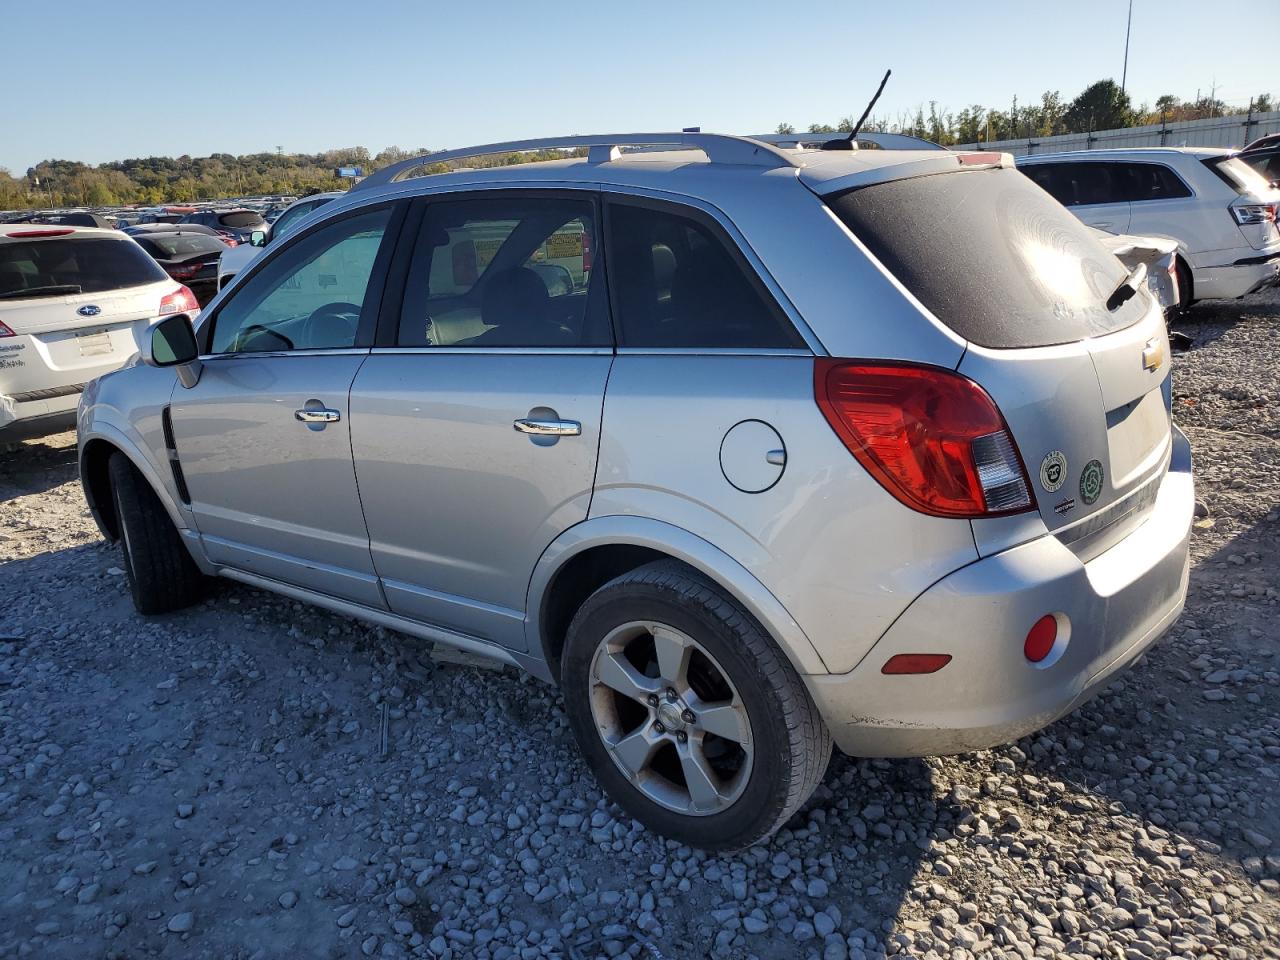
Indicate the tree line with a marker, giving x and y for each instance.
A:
(1100, 106)
(156, 180)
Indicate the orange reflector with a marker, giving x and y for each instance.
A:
(916, 663)
(1040, 638)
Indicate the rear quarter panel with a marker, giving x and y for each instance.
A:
(840, 554)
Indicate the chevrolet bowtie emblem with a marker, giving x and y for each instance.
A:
(1153, 355)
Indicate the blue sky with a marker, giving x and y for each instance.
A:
(96, 81)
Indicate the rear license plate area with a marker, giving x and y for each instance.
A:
(96, 344)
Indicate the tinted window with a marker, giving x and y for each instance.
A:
(295, 213)
(676, 284)
(991, 256)
(1084, 182)
(506, 272)
(167, 245)
(92, 264)
(1153, 181)
(241, 219)
(310, 296)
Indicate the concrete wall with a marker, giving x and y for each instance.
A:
(1234, 131)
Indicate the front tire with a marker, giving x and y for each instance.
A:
(690, 716)
(162, 576)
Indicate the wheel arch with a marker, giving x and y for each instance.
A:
(590, 554)
(95, 452)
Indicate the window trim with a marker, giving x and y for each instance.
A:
(387, 335)
(377, 283)
(752, 268)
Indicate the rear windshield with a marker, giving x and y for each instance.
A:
(59, 267)
(180, 245)
(992, 255)
(241, 218)
(1238, 175)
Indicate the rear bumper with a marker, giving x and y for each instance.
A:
(1116, 606)
(1237, 279)
(35, 417)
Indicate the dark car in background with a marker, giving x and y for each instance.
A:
(187, 256)
(236, 224)
(148, 229)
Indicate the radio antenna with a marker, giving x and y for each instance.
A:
(847, 143)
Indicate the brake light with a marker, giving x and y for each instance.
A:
(183, 271)
(1246, 213)
(64, 231)
(5, 331)
(181, 300)
(932, 438)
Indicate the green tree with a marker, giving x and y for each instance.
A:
(1100, 106)
(785, 128)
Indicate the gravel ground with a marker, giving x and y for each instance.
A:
(215, 783)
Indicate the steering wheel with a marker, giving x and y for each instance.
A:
(338, 310)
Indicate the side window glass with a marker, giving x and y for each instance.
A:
(676, 284)
(504, 272)
(310, 296)
(296, 212)
(1154, 181)
(1048, 177)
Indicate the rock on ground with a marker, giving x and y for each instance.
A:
(210, 784)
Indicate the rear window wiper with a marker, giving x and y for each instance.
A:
(1128, 287)
(50, 291)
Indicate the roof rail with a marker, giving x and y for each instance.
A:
(719, 148)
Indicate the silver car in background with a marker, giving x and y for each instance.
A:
(749, 449)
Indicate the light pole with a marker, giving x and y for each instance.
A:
(1124, 75)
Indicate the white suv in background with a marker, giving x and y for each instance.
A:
(69, 297)
(235, 259)
(1220, 211)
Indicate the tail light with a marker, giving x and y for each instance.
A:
(932, 438)
(1247, 213)
(183, 271)
(181, 300)
(6, 331)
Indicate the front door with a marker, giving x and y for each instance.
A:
(264, 437)
(476, 428)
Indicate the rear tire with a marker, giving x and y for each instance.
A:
(1185, 290)
(733, 754)
(162, 576)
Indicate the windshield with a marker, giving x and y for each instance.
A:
(993, 256)
(81, 265)
(241, 219)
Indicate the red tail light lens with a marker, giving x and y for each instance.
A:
(932, 438)
(5, 331)
(181, 300)
(183, 271)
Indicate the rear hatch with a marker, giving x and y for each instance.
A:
(1256, 204)
(1081, 379)
(70, 302)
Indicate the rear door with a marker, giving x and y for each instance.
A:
(264, 437)
(476, 420)
(1096, 191)
(1161, 204)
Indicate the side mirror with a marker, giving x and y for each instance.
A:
(172, 343)
(258, 238)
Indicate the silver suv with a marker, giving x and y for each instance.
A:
(748, 449)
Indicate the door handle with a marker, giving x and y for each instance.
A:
(549, 428)
(322, 415)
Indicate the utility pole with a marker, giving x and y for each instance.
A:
(1124, 76)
